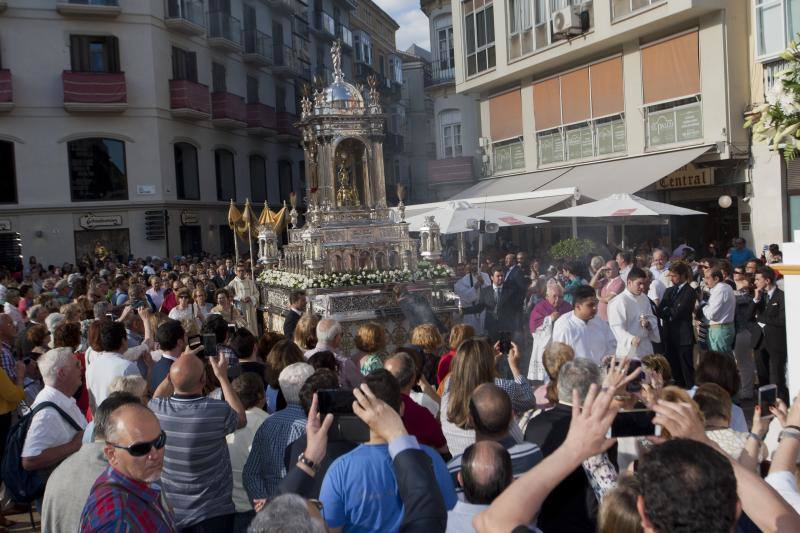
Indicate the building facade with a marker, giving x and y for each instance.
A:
(115, 113)
(456, 163)
(636, 96)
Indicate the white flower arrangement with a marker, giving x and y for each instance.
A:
(288, 280)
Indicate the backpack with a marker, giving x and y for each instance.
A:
(25, 486)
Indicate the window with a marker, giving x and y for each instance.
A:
(479, 32)
(226, 175)
(505, 130)
(184, 65)
(8, 173)
(520, 28)
(89, 53)
(280, 99)
(444, 53)
(363, 47)
(777, 22)
(621, 8)
(508, 155)
(218, 81)
(451, 133)
(675, 122)
(252, 90)
(97, 169)
(258, 179)
(285, 180)
(187, 177)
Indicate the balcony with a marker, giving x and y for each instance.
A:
(285, 64)
(287, 131)
(286, 6)
(189, 100)
(324, 24)
(185, 16)
(261, 120)
(6, 91)
(451, 171)
(440, 74)
(362, 71)
(224, 32)
(91, 8)
(344, 34)
(257, 48)
(228, 111)
(97, 92)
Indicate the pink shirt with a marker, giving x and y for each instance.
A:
(616, 286)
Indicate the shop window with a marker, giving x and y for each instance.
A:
(94, 53)
(674, 122)
(777, 23)
(258, 179)
(226, 175)
(622, 8)
(8, 173)
(187, 176)
(479, 35)
(508, 155)
(97, 169)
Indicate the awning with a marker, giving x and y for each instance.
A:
(592, 180)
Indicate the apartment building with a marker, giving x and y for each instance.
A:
(114, 113)
(636, 96)
(457, 161)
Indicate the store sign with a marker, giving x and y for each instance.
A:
(189, 218)
(675, 125)
(91, 221)
(685, 177)
(509, 157)
(5, 225)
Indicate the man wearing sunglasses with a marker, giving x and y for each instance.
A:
(125, 496)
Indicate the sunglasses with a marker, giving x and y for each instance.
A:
(140, 449)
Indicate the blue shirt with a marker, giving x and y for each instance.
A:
(359, 492)
(740, 257)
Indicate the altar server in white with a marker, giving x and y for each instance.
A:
(587, 334)
(468, 289)
(631, 318)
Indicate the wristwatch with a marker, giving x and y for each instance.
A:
(308, 462)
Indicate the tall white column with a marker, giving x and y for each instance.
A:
(791, 287)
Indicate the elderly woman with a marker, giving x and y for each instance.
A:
(543, 316)
(226, 309)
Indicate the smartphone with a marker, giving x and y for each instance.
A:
(767, 397)
(634, 423)
(209, 345)
(110, 316)
(195, 341)
(231, 330)
(636, 384)
(505, 341)
(138, 304)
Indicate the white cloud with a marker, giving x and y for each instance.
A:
(413, 22)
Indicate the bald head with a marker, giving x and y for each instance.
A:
(490, 410)
(127, 423)
(187, 374)
(485, 472)
(129, 428)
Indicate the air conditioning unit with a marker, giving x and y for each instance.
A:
(567, 21)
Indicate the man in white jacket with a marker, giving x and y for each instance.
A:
(631, 318)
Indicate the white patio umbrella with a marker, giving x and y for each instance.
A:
(452, 217)
(623, 206)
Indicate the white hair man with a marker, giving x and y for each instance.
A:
(288, 512)
(265, 466)
(329, 337)
(53, 436)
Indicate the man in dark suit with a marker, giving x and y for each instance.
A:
(502, 305)
(769, 332)
(297, 305)
(675, 310)
(572, 505)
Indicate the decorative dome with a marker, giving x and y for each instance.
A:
(340, 95)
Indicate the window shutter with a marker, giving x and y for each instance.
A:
(79, 53)
(112, 54)
(176, 63)
(191, 66)
(793, 176)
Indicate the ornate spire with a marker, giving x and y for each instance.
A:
(336, 59)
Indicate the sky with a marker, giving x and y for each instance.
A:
(413, 22)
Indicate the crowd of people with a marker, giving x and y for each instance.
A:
(146, 396)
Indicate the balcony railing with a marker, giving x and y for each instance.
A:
(228, 110)
(257, 47)
(324, 23)
(286, 63)
(186, 16)
(453, 170)
(287, 131)
(189, 100)
(344, 34)
(261, 120)
(6, 91)
(224, 32)
(95, 8)
(94, 91)
(440, 74)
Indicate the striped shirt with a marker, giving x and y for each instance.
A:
(265, 467)
(524, 456)
(197, 477)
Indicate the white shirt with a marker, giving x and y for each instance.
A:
(239, 444)
(591, 340)
(105, 368)
(785, 483)
(623, 273)
(721, 304)
(181, 314)
(624, 312)
(469, 293)
(657, 289)
(422, 399)
(48, 428)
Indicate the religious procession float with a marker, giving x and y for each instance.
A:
(352, 248)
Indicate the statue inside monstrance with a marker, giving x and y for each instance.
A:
(346, 194)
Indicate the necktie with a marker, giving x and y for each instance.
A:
(470, 279)
(496, 299)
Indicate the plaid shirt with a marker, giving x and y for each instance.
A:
(7, 361)
(117, 503)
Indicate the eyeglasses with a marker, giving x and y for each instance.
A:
(316, 503)
(738, 272)
(140, 449)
